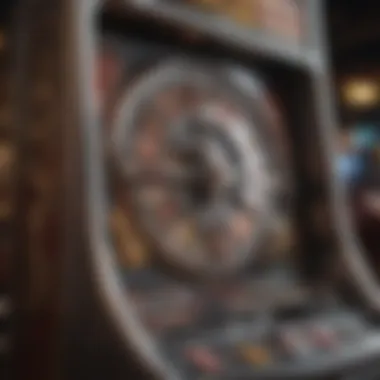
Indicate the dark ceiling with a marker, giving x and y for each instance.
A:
(354, 31)
(5, 6)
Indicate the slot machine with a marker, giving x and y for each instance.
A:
(178, 211)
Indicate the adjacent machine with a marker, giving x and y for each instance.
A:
(179, 215)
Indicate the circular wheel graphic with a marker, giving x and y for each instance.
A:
(192, 155)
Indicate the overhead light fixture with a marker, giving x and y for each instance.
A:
(361, 93)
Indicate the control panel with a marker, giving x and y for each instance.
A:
(276, 348)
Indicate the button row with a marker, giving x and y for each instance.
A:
(288, 344)
(208, 360)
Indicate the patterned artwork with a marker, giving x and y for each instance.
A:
(194, 170)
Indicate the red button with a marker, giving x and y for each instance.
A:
(324, 338)
(204, 359)
(294, 343)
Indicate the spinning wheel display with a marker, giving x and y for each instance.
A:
(203, 180)
(201, 189)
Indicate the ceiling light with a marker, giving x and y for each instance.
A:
(361, 93)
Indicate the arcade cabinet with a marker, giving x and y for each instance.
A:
(179, 214)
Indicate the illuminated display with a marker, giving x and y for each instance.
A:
(190, 185)
(209, 236)
(160, 161)
(280, 17)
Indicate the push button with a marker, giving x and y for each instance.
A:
(294, 343)
(255, 355)
(324, 337)
(204, 359)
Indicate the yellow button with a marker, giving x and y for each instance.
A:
(255, 355)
